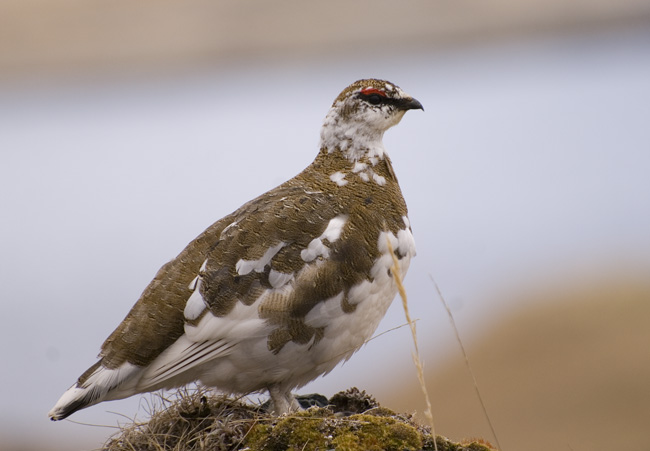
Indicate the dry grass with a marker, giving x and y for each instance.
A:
(467, 364)
(416, 353)
(192, 419)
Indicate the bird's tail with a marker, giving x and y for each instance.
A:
(97, 384)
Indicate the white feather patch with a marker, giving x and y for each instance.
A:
(381, 181)
(195, 304)
(339, 178)
(326, 312)
(193, 283)
(334, 228)
(407, 222)
(406, 243)
(403, 243)
(316, 247)
(103, 384)
(244, 267)
(278, 279)
(223, 232)
(382, 242)
(240, 323)
(359, 166)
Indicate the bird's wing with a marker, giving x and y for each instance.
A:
(156, 320)
(282, 264)
(279, 258)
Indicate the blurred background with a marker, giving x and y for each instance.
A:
(126, 128)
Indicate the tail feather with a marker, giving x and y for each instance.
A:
(97, 384)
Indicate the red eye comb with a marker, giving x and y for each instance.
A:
(368, 91)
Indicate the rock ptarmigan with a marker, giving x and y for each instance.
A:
(280, 291)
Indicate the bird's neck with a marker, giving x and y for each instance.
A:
(372, 168)
(355, 140)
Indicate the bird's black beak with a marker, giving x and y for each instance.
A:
(409, 104)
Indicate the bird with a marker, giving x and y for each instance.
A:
(283, 289)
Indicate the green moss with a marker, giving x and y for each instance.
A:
(318, 429)
(447, 445)
(376, 433)
(295, 432)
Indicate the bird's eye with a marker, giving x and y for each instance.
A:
(374, 99)
(372, 95)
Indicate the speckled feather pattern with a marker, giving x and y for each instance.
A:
(281, 290)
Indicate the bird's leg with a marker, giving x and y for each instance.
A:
(282, 401)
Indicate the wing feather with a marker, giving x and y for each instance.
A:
(180, 359)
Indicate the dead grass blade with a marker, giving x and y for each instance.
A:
(416, 353)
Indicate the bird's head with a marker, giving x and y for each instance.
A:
(361, 114)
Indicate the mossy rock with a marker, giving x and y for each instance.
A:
(197, 420)
(319, 429)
